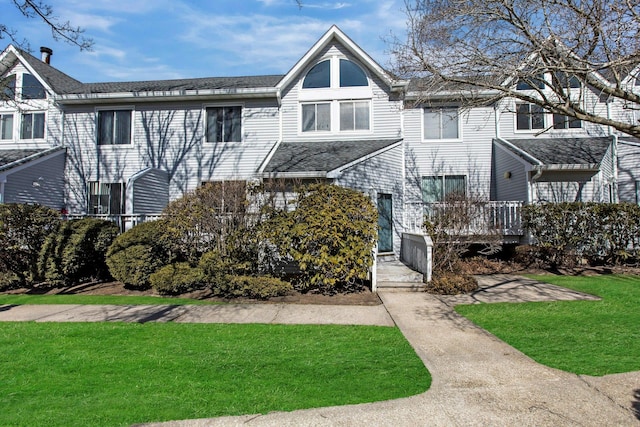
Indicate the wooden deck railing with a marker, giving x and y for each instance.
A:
(488, 217)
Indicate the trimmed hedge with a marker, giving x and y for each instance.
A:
(137, 253)
(258, 287)
(76, 252)
(177, 278)
(570, 233)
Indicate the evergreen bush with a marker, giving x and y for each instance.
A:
(23, 230)
(330, 235)
(137, 253)
(177, 278)
(76, 251)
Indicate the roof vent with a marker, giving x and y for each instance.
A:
(46, 54)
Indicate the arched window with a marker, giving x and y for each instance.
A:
(32, 88)
(319, 76)
(351, 74)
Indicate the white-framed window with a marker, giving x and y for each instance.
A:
(439, 188)
(106, 198)
(354, 115)
(529, 117)
(32, 88)
(441, 123)
(224, 123)
(565, 122)
(316, 117)
(114, 127)
(32, 126)
(335, 96)
(6, 126)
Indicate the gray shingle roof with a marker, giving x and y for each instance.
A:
(63, 84)
(245, 82)
(321, 156)
(587, 151)
(15, 157)
(56, 79)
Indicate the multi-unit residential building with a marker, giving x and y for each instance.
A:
(125, 149)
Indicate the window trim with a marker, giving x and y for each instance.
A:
(205, 107)
(353, 102)
(440, 109)
(316, 130)
(99, 110)
(96, 210)
(13, 125)
(443, 178)
(44, 125)
(567, 123)
(530, 129)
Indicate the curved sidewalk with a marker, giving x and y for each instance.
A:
(478, 380)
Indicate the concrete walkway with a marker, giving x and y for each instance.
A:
(477, 379)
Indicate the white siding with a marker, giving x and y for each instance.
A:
(380, 174)
(385, 117)
(628, 171)
(471, 156)
(170, 137)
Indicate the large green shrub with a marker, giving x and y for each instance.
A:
(177, 278)
(567, 233)
(137, 253)
(23, 230)
(76, 251)
(330, 235)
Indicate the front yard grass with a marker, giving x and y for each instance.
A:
(117, 374)
(583, 337)
(20, 299)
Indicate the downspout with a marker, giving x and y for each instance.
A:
(3, 179)
(613, 179)
(496, 119)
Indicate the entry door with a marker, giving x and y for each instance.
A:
(385, 223)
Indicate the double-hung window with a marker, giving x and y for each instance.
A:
(114, 127)
(32, 126)
(316, 117)
(565, 122)
(441, 123)
(440, 188)
(224, 124)
(106, 198)
(6, 126)
(354, 115)
(529, 117)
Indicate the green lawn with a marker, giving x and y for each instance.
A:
(117, 374)
(97, 299)
(584, 337)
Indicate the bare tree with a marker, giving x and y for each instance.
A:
(485, 50)
(60, 30)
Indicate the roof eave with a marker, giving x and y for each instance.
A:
(451, 95)
(176, 95)
(293, 175)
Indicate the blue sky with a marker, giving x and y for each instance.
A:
(167, 39)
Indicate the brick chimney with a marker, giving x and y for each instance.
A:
(46, 54)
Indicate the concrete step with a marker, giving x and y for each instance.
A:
(395, 276)
(397, 272)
